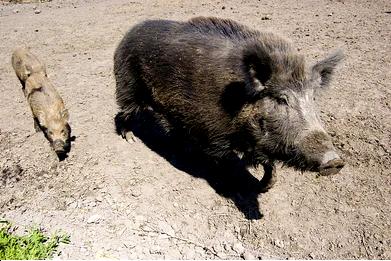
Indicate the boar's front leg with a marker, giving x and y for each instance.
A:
(269, 177)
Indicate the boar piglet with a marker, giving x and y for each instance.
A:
(48, 109)
(231, 89)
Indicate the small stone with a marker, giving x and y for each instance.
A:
(238, 248)
(330, 14)
(15, 11)
(94, 219)
(37, 11)
(136, 193)
(279, 243)
(223, 7)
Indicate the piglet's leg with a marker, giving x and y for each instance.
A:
(36, 126)
(269, 177)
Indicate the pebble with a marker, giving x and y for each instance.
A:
(94, 219)
(279, 243)
(37, 11)
(16, 11)
(99, 198)
(136, 193)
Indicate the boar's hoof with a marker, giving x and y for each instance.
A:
(129, 136)
(269, 178)
(331, 167)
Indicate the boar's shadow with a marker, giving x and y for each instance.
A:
(229, 178)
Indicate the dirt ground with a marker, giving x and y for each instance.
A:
(124, 200)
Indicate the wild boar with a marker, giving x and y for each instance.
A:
(48, 109)
(231, 89)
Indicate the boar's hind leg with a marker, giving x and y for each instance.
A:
(269, 177)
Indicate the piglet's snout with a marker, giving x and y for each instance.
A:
(59, 146)
(331, 164)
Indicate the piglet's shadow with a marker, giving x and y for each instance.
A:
(229, 179)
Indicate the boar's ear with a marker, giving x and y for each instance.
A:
(323, 70)
(65, 114)
(258, 70)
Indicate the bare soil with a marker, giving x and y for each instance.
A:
(130, 200)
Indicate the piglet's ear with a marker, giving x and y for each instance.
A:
(323, 70)
(65, 114)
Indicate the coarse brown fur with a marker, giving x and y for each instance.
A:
(226, 86)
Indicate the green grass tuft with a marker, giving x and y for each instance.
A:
(34, 245)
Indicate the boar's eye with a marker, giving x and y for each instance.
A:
(282, 99)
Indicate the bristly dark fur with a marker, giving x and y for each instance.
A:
(220, 82)
(222, 27)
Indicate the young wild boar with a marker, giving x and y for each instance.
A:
(231, 89)
(49, 112)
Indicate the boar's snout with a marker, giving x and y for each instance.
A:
(320, 154)
(331, 164)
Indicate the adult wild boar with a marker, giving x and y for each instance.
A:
(231, 89)
(47, 106)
